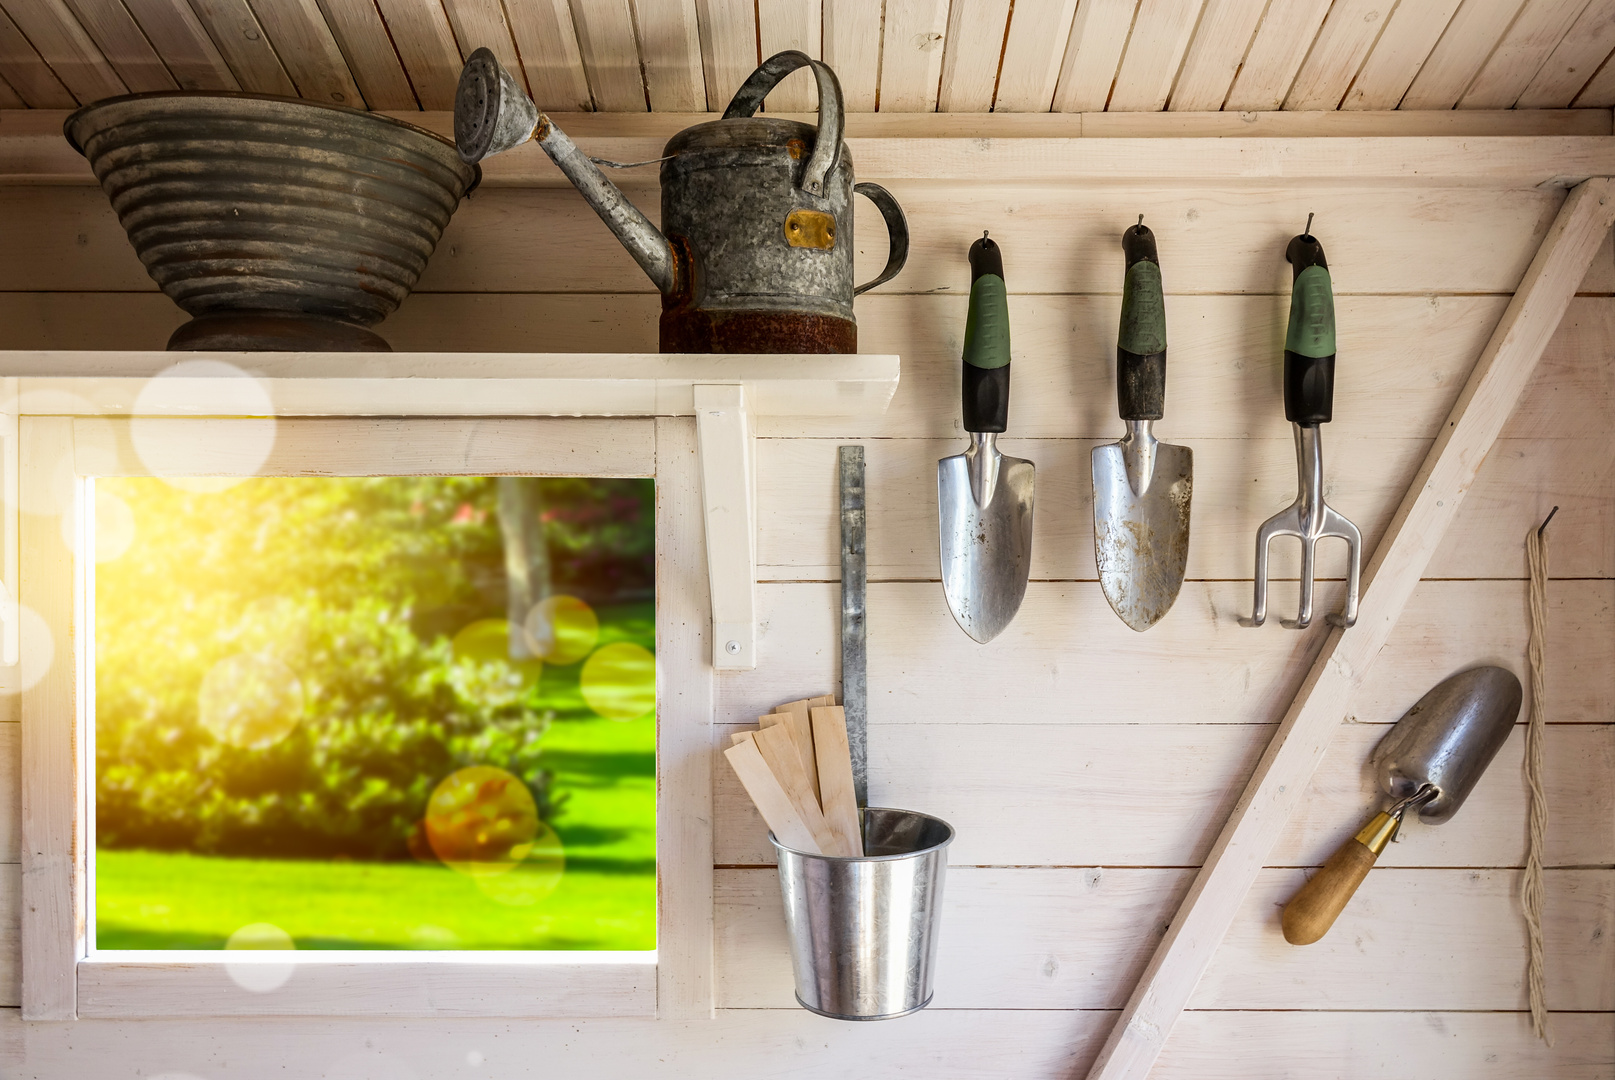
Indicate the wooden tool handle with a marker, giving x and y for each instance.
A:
(1312, 911)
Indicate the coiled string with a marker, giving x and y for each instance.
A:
(1531, 889)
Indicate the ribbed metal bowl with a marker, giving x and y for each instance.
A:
(278, 223)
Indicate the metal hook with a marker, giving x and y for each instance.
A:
(1544, 525)
(1308, 231)
(1141, 221)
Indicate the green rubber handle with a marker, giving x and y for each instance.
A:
(1141, 342)
(985, 386)
(1309, 342)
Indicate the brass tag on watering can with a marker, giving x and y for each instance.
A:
(810, 229)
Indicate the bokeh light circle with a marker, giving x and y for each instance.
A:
(260, 978)
(114, 527)
(250, 700)
(481, 820)
(533, 877)
(36, 648)
(487, 640)
(561, 630)
(619, 681)
(230, 391)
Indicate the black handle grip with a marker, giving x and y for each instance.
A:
(1309, 343)
(986, 352)
(1141, 343)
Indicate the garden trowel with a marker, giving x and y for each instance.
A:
(1429, 762)
(1141, 486)
(984, 499)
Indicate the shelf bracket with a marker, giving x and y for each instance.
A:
(723, 428)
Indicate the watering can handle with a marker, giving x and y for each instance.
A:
(827, 146)
(896, 231)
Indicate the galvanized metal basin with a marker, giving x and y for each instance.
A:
(276, 223)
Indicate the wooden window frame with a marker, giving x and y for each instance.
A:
(62, 978)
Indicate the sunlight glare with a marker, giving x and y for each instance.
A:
(114, 527)
(619, 681)
(250, 700)
(231, 392)
(561, 630)
(481, 820)
(260, 978)
(488, 640)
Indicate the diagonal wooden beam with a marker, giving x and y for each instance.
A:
(1432, 500)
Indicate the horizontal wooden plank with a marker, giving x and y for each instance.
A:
(108, 988)
(1077, 938)
(793, 1043)
(1408, 355)
(1478, 161)
(1066, 938)
(1352, 1046)
(1239, 483)
(1460, 929)
(1057, 238)
(33, 151)
(1061, 238)
(1075, 662)
(1153, 795)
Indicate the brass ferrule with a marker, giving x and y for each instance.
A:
(1379, 832)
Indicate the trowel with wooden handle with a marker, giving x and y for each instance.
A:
(984, 498)
(1429, 762)
(1141, 486)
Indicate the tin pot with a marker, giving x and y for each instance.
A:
(278, 224)
(755, 250)
(864, 931)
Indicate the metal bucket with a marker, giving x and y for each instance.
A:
(864, 931)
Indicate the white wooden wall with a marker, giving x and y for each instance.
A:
(1087, 768)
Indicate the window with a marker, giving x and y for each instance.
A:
(302, 713)
(346, 713)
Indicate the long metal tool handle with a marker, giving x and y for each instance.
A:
(854, 653)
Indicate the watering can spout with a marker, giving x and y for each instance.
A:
(492, 114)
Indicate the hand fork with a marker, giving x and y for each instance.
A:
(1309, 519)
(1309, 397)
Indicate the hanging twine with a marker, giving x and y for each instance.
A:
(1531, 889)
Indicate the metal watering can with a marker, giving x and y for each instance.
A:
(755, 250)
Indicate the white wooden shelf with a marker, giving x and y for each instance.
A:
(447, 384)
(725, 393)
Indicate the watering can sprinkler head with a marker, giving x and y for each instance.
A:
(492, 113)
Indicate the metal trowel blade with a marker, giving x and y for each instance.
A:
(1141, 541)
(986, 550)
(1448, 738)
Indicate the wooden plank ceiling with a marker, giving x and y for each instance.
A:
(969, 56)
